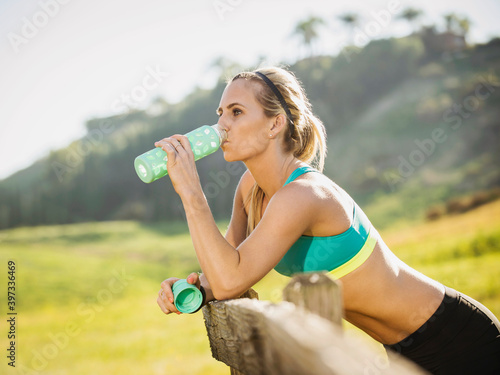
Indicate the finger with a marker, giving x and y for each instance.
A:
(184, 141)
(167, 306)
(194, 279)
(163, 308)
(172, 140)
(168, 145)
(166, 287)
(161, 142)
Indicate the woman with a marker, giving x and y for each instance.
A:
(290, 217)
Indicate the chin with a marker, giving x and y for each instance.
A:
(229, 156)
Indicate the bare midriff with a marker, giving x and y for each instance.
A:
(388, 299)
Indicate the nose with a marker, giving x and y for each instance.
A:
(223, 123)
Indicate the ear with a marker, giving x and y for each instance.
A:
(279, 124)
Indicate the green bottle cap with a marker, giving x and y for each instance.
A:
(187, 297)
(151, 165)
(143, 170)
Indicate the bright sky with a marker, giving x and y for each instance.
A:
(65, 61)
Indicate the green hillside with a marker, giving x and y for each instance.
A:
(86, 293)
(408, 127)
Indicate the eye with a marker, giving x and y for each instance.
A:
(236, 112)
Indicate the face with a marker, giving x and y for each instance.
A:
(243, 117)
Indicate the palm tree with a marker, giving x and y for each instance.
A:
(456, 24)
(450, 20)
(307, 30)
(412, 15)
(351, 20)
(464, 25)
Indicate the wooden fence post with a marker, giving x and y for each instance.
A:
(261, 338)
(252, 294)
(217, 329)
(317, 293)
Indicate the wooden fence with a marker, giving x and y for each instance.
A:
(300, 336)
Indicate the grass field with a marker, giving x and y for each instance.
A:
(86, 293)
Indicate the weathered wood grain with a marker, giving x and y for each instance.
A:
(257, 337)
(318, 293)
(261, 338)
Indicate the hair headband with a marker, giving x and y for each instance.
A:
(277, 92)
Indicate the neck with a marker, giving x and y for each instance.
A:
(270, 172)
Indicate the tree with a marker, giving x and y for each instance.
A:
(157, 106)
(464, 25)
(457, 24)
(412, 15)
(307, 30)
(351, 20)
(225, 68)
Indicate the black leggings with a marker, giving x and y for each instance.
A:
(461, 337)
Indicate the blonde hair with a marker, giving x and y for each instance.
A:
(305, 135)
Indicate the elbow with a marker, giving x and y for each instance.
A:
(227, 290)
(227, 285)
(221, 294)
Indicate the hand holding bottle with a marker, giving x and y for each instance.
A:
(180, 164)
(203, 141)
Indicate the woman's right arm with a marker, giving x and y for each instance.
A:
(235, 235)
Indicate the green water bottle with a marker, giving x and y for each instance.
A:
(205, 140)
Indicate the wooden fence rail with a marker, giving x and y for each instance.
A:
(300, 336)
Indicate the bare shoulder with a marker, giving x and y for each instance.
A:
(313, 188)
(303, 194)
(325, 204)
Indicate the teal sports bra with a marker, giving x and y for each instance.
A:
(339, 254)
